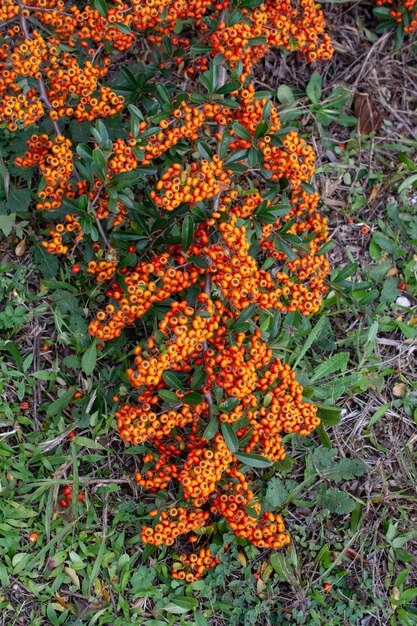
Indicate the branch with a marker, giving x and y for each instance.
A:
(215, 205)
(45, 98)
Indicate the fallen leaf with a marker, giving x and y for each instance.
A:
(73, 575)
(395, 595)
(242, 559)
(373, 194)
(260, 586)
(399, 390)
(223, 185)
(355, 556)
(369, 118)
(62, 601)
(106, 595)
(20, 248)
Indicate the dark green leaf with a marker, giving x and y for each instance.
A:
(211, 429)
(169, 396)
(253, 460)
(230, 437)
(193, 398)
(172, 380)
(187, 232)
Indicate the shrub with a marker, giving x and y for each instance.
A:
(193, 174)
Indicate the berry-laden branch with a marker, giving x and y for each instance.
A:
(217, 193)
(401, 12)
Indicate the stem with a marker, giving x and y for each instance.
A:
(91, 206)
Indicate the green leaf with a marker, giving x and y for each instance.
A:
(328, 413)
(86, 442)
(345, 469)
(7, 223)
(169, 396)
(380, 412)
(99, 158)
(193, 398)
(253, 460)
(336, 363)
(204, 150)
(408, 182)
(335, 501)
(101, 7)
(285, 94)
(89, 359)
(245, 315)
(15, 352)
(18, 200)
(261, 129)
(230, 436)
(313, 89)
(187, 232)
(241, 131)
(229, 87)
(172, 380)
(200, 620)
(198, 379)
(123, 28)
(4, 577)
(187, 603)
(277, 492)
(180, 605)
(211, 429)
(60, 403)
(312, 336)
(228, 405)
(164, 93)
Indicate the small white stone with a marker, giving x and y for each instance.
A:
(403, 301)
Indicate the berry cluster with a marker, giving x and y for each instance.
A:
(209, 398)
(403, 12)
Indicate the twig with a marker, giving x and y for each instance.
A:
(91, 206)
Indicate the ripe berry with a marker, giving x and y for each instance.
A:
(75, 269)
(71, 435)
(64, 503)
(402, 286)
(33, 537)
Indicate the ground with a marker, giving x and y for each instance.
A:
(348, 494)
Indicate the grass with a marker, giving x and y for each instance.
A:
(348, 494)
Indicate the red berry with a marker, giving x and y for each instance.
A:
(64, 503)
(132, 249)
(33, 537)
(327, 587)
(81, 497)
(75, 269)
(402, 286)
(71, 435)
